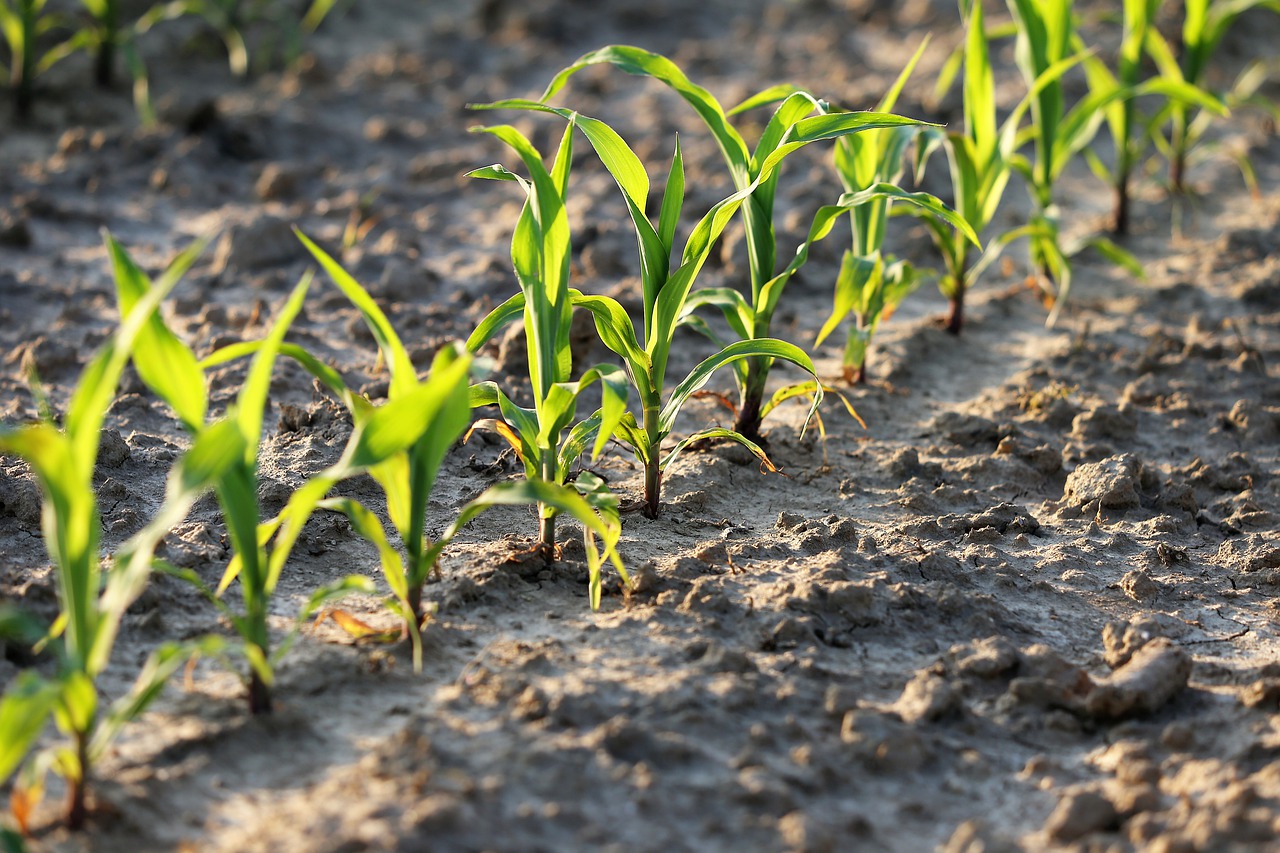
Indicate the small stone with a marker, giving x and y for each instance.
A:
(263, 242)
(1104, 422)
(1151, 678)
(926, 698)
(1079, 814)
(1120, 640)
(277, 181)
(974, 836)
(1178, 736)
(1139, 586)
(113, 450)
(883, 742)
(1112, 482)
(988, 658)
(1263, 693)
(1129, 799)
(965, 429)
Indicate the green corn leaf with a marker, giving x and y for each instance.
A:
(24, 710)
(930, 204)
(335, 591)
(163, 362)
(252, 399)
(738, 312)
(560, 499)
(1114, 253)
(496, 320)
(395, 426)
(496, 172)
(215, 451)
(368, 527)
(617, 333)
(97, 384)
(714, 433)
(634, 60)
(806, 389)
(859, 275)
(403, 375)
(615, 388)
(672, 203)
(237, 491)
(329, 377)
(629, 174)
(791, 111)
(830, 127)
(979, 89)
(769, 96)
(698, 377)
(77, 705)
(575, 443)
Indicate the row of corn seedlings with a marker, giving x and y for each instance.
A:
(402, 443)
(38, 38)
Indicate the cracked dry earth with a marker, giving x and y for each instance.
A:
(1032, 606)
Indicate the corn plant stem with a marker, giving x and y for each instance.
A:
(24, 60)
(418, 570)
(955, 313)
(546, 516)
(653, 465)
(855, 368)
(239, 489)
(1178, 159)
(1120, 216)
(104, 68)
(77, 784)
(416, 544)
(749, 418)
(260, 702)
(959, 264)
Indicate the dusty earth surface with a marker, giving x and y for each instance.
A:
(1033, 605)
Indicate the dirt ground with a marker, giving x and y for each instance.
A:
(1032, 606)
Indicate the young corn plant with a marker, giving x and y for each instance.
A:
(1118, 95)
(871, 284)
(1045, 39)
(667, 286)
(105, 35)
(548, 438)
(981, 160)
(91, 602)
(1046, 47)
(755, 173)
(1204, 25)
(22, 23)
(171, 370)
(401, 445)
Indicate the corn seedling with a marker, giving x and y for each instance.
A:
(754, 173)
(92, 603)
(1045, 48)
(666, 304)
(171, 370)
(870, 284)
(22, 23)
(981, 160)
(1205, 23)
(546, 437)
(401, 445)
(1122, 118)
